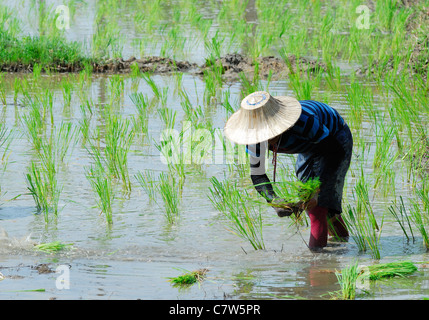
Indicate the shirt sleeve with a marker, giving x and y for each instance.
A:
(257, 157)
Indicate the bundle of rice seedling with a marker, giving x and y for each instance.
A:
(297, 191)
(295, 194)
(389, 270)
(188, 278)
(52, 247)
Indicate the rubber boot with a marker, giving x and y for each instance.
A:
(319, 227)
(337, 228)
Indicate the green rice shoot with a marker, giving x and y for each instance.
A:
(295, 192)
(188, 278)
(347, 279)
(52, 247)
(390, 270)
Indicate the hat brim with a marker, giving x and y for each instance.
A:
(254, 126)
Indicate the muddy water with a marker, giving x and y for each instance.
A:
(134, 257)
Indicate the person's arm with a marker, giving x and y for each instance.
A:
(262, 183)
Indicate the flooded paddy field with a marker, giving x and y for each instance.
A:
(85, 158)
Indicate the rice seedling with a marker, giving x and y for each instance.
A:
(350, 277)
(296, 191)
(84, 124)
(42, 180)
(16, 90)
(168, 116)
(106, 40)
(160, 94)
(402, 218)
(30, 290)
(253, 85)
(173, 40)
(47, 102)
(186, 104)
(141, 102)
(356, 228)
(420, 215)
(213, 48)
(178, 83)
(356, 100)
(34, 121)
(101, 184)
(170, 150)
(189, 278)
(226, 94)
(135, 71)
(363, 203)
(6, 139)
(87, 71)
(168, 187)
(212, 77)
(199, 141)
(361, 220)
(147, 15)
(48, 156)
(116, 89)
(37, 70)
(347, 279)
(304, 87)
(52, 247)
(170, 193)
(148, 183)
(44, 189)
(67, 90)
(192, 114)
(2, 89)
(65, 138)
(119, 136)
(363, 231)
(389, 270)
(9, 21)
(383, 145)
(244, 220)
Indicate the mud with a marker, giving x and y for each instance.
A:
(43, 268)
(147, 64)
(117, 65)
(268, 66)
(232, 65)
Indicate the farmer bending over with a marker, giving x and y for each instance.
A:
(323, 142)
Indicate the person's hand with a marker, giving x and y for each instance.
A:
(283, 212)
(285, 209)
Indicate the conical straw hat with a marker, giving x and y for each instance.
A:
(262, 117)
